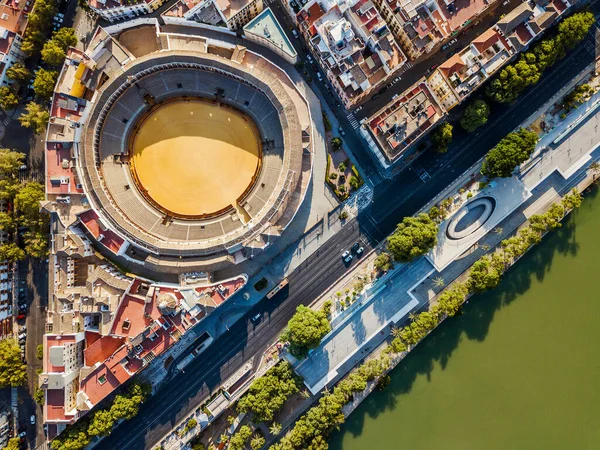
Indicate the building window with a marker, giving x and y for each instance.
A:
(102, 379)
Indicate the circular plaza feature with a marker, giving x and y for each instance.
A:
(471, 217)
(195, 158)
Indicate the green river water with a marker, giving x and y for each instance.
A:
(519, 369)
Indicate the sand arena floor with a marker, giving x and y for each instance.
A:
(194, 157)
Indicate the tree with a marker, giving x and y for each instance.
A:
(513, 79)
(275, 428)
(40, 352)
(595, 168)
(53, 54)
(439, 282)
(257, 442)
(383, 262)
(13, 444)
(44, 82)
(239, 439)
(35, 117)
(577, 96)
(336, 143)
(450, 301)
(13, 372)
(38, 396)
(475, 116)
(75, 437)
(485, 273)
(27, 204)
(36, 242)
(305, 330)
(572, 30)
(268, 393)
(441, 137)
(8, 98)
(19, 73)
(510, 152)
(7, 222)
(11, 252)
(65, 37)
(413, 237)
(124, 408)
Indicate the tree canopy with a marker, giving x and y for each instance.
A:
(55, 49)
(305, 330)
(515, 78)
(441, 137)
(510, 152)
(11, 252)
(268, 393)
(475, 116)
(13, 371)
(413, 237)
(39, 23)
(19, 73)
(35, 117)
(44, 82)
(8, 98)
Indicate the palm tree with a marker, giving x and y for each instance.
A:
(439, 282)
(305, 393)
(595, 168)
(396, 332)
(275, 428)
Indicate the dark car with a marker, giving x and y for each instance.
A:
(355, 247)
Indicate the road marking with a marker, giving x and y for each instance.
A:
(353, 121)
(6, 121)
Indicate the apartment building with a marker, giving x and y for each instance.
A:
(392, 131)
(353, 45)
(402, 123)
(233, 14)
(104, 327)
(524, 23)
(12, 25)
(114, 10)
(457, 77)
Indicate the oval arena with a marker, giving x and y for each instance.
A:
(192, 158)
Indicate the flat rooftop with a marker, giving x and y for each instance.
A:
(266, 26)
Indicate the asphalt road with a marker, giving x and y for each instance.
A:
(393, 200)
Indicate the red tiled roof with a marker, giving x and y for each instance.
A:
(452, 65)
(485, 40)
(100, 350)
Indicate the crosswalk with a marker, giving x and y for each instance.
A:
(355, 124)
(6, 120)
(407, 65)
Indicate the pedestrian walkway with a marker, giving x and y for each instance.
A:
(388, 301)
(355, 124)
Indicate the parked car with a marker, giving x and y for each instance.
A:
(22, 434)
(295, 33)
(355, 247)
(20, 316)
(347, 257)
(319, 76)
(32, 419)
(256, 318)
(22, 336)
(341, 130)
(22, 329)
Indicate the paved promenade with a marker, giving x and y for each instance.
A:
(387, 302)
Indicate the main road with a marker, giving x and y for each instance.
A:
(392, 201)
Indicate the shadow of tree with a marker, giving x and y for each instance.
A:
(473, 323)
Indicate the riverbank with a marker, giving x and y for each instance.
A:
(490, 378)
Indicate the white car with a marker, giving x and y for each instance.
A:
(32, 419)
(295, 33)
(346, 256)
